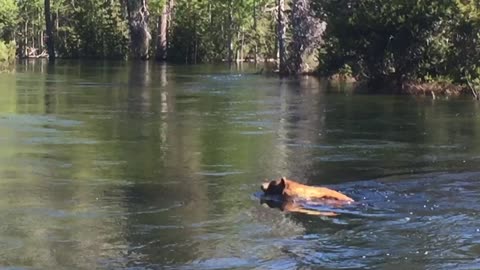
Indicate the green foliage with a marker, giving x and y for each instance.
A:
(202, 30)
(198, 31)
(464, 57)
(30, 24)
(93, 29)
(7, 54)
(155, 7)
(8, 18)
(395, 41)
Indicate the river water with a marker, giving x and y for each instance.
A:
(108, 165)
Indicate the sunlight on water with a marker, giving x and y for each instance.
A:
(146, 166)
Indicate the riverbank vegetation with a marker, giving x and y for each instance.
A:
(398, 45)
(7, 54)
(403, 44)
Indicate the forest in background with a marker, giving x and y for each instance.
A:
(182, 31)
(381, 42)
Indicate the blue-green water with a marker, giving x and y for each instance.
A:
(108, 165)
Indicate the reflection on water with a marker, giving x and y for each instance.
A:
(115, 165)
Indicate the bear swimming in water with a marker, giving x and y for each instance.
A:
(291, 192)
(290, 189)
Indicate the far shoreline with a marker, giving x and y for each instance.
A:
(434, 89)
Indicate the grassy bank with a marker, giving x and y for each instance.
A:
(433, 89)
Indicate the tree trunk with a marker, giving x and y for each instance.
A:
(255, 49)
(274, 27)
(242, 57)
(282, 67)
(40, 34)
(56, 20)
(41, 40)
(25, 39)
(33, 34)
(306, 36)
(194, 53)
(49, 26)
(163, 32)
(139, 33)
(230, 34)
(295, 50)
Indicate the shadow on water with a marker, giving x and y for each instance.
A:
(146, 166)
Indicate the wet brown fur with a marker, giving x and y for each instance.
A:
(290, 189)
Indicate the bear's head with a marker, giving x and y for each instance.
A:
(275, 187)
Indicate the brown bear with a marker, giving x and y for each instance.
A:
(290, 190)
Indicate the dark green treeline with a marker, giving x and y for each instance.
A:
(188, 31)
(185, 31)
(382, 42)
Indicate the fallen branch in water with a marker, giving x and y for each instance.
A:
(474, 91)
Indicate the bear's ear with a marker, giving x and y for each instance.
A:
(283, 182)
